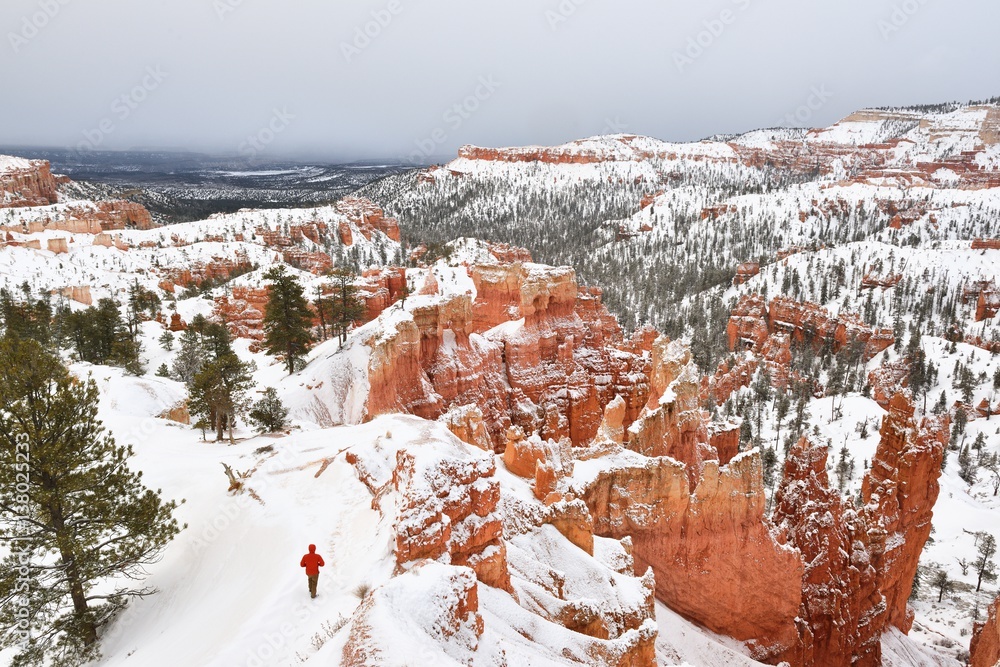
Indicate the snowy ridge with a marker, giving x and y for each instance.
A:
(11, 163)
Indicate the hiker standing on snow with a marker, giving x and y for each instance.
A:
(312, 561)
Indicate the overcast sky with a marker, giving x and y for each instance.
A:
(301, 77)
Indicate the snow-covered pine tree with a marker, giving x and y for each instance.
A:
(269, 414)
(287, 318)
(73, 516)
(346, 306)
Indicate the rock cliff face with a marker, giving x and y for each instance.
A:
(575, 153)
(843, 611)
(532, 350)
(985, 648)
(80, 294)
(899, 493)
(807, 322)
(860, 563)
(58, 246)
(873, 159)
(454, 544)
(26, 183)
(380, 288)
(243, 312)
(728, 380)
(218, 268)
(93, 218)
(367, 217)
(449, 618)
(836, 577)
(448, 506)
(466, 423)
(673, 423)
(715, 559)
(769, 329)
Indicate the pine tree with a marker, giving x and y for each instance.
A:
(941, 406)
(958, 427)
(100, 336)
(190, 358)
(72, 514)
(844, 469)
(761, 393)
(979, 444)
(984, 566)
(746, 433)
(919, 373)
(404, 292)
(287, 318)
(993, 465)
(347, 307)
(26, 319)
(967, 466)
(918, 583)
(942, 583)
(836, 386)
(142, 304)
(218, 393)
(167, 340)
(269, 414)
(216, 341)
(769, 459)
(966, 384)
(324, 311)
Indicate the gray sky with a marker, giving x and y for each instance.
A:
(295, 76)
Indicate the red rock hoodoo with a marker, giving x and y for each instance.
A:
(899, 493)
(367, 217)
(861, 562)
(243, 312)
(842, 614)
(985, 648)
(29, 185)
(449, 507)
(715, 559)
(553, 374)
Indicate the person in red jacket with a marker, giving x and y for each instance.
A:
(312, 561)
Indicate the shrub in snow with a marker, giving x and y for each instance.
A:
(269, 414)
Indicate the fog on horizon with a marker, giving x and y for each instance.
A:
(395, 80)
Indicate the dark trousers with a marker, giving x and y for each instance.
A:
(313, 580)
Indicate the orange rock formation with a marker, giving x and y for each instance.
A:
(31, 186)
(552, 375)
(984, 650)
(367, 217)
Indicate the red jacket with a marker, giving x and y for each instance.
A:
(312, 561)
